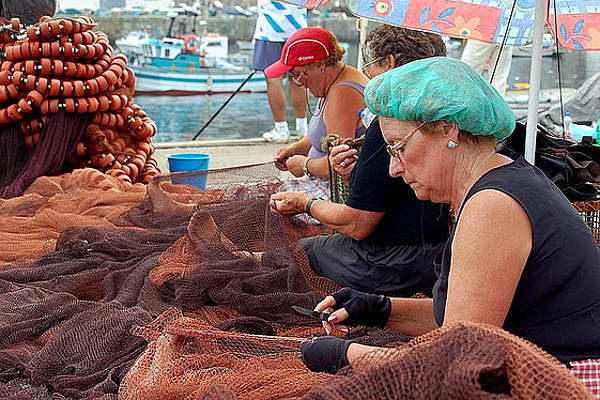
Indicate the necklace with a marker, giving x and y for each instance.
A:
(332, 82)
(326, 92)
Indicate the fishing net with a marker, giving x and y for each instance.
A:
(65, 103)
(111, 290)
(461, 361)
(85, 256)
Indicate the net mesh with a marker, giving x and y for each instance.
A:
(461, 361)
(111, 290)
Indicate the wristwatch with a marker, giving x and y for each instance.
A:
(305, 166)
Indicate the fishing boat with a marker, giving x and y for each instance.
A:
(188, 65)
(132, 44)
(183, 63)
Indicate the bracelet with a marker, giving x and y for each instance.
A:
(309, 205)
(305, 167)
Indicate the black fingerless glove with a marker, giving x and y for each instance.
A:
(325, 354)
(363, 308)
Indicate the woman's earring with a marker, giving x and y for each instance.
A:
(451, 144)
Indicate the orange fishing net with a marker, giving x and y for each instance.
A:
(187, 359)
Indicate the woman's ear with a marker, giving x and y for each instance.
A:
(391, 62)
(451, 130)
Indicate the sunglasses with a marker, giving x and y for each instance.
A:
(397, 150)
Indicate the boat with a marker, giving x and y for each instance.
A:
(187, 64)
(132, 44)
(549, 48)
(517, 98)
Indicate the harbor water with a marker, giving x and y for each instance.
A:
(248, 115)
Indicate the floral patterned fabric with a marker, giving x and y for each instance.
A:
(576, 26)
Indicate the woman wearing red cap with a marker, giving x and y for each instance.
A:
(313, 57)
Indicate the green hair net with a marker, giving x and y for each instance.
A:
(441, 88)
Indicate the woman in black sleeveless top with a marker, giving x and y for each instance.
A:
(519, 257)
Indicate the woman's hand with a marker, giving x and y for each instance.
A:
(295, 165)
(352, 308)
(343, 159)
(289, 203)
(281, 157)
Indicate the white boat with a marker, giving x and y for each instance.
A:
(132, 44)
(181, 63)
(208, 81)
(191, 65)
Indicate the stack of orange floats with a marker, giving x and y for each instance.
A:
(61, 64)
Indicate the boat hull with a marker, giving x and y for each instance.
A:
(191, 83)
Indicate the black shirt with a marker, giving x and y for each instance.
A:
(557, 301)
(407, 220)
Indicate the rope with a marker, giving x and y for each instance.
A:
(504, 40)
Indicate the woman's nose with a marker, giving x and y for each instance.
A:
(396, 167)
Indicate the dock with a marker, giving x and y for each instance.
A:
(225, 153)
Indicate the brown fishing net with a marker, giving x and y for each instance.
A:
(170, 292)
(84, 257)
(461, 361)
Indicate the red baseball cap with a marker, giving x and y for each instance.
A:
(305, 46)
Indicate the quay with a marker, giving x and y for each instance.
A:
(225, 153)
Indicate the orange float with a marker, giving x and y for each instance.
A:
(63, 65)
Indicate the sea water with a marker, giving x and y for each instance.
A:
(248, 115)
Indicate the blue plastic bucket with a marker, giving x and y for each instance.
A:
(188, 162)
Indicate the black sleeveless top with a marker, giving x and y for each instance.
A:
(557, 301)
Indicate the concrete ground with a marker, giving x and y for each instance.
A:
(231, 153)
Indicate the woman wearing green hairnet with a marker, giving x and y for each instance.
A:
(519, 257)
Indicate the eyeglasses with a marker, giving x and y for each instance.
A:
(368, 64)
(298, 76)
(397, 150)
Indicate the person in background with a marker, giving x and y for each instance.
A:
(29, 11)
(313, 57)
(386, 239)
(520, 257)
(276, 22)
(482, 58)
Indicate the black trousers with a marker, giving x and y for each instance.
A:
(399, 270)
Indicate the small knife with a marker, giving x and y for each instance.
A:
(322, 316)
